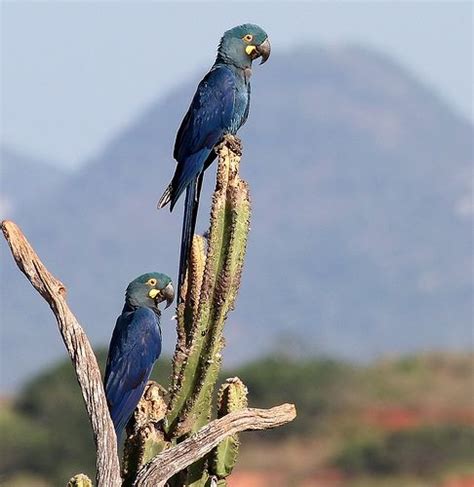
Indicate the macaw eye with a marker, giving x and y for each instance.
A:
(248, 38)
(151, 282)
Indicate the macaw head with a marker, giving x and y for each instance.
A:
(149, 290)
(242, 44)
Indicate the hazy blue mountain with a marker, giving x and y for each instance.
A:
(24, 180)
(361, 231)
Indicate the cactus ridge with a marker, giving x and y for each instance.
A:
(187, 313)
(187, 381)
(203, 319)
(232, 396)
(237, 212)
(226, 288)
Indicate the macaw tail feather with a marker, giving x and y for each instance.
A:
(166, 197)
(191, 205)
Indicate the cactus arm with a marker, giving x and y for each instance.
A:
(186, 316)
(144, 441)
(232, 397)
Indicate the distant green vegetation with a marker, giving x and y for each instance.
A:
(423, 451)
(316, 386)
(46, 437)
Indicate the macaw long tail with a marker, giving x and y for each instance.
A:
(191, 205)
(165, 197)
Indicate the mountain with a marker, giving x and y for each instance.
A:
(25, 180)
(361, 240)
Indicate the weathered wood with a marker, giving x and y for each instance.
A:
(171, 461)
(79, 349)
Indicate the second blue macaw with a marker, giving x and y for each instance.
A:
(220, 106)
(135, 345)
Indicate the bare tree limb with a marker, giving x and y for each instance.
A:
(80, 352)
(171, 461)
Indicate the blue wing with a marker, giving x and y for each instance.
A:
(134, 348)
(209, 117)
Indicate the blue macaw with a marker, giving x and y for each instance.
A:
(220, 106)
(135, 345)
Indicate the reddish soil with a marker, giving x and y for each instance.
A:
(398, 418)
(460, 482)
(256, 479)
(324, 478)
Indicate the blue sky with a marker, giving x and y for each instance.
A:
(74, 73)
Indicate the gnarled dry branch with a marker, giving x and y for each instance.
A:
(79, 349)
(171, 461)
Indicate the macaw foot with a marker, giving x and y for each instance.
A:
(234, 143)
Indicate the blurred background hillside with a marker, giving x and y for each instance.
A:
(356, 301)
(398, 422)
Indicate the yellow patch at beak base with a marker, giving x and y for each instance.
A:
(250, 49)
(153, 293)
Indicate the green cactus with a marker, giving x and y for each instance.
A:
(215, 279)
(232, 397)
(144, 441)
(209, 293)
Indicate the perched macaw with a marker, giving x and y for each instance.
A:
(220, 106)
(135, 345)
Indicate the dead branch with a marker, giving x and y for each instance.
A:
(171, 461)
(80, 352)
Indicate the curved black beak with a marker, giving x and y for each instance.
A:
(264, 50)
(166, 294)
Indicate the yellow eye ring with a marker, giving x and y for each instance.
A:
(151, 282)
(248, 38)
